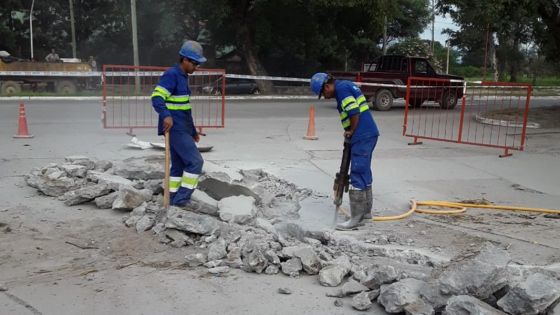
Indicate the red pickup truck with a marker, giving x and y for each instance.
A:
(391, 73)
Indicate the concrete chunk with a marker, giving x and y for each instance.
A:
(113, 181)
(52, 181)
(85, 194)
(309, 259)
(217, 250)
(129, 198)
(80, 160)
(194, 260)
(479, 276)
(468, 305)
(106, 202)
(362, 302)
(191, 222)
(145, 223)
(237, 209)
(379, 275)
(292, 267)
(74, 170)
(149, 167)
(532, 296)
(395, 297)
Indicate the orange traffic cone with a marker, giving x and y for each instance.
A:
(311, 126)
(23, 132)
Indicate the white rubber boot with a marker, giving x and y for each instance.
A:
(358, 204)
(369, 207)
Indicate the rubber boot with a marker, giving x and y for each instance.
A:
(182, 197)
(358, 204)
(369, 206)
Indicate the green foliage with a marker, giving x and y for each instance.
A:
(284, 37)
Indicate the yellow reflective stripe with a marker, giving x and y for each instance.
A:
(364, 108)
(343, 115)
(361, 99)
(189, 180)
(348, 100)
(351, 107)
(179, 98)
(346, 123)
(162, 90)
(156, 93)
(178, 107)
(174, 184)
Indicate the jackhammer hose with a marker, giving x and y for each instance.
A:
(458, 208)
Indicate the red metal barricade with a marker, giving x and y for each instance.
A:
(491, 114)
(127, 102)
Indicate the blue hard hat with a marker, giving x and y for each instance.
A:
(317, 82)
(192, 50)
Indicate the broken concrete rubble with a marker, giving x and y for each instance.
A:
(194, 260)
(239, 225)
(292, 267)
(74, 170)
(217, 250)
(106, 202)
(379, 275)
(85, 194)
(468, 305)
(395, 297)
(480, 275)
(187, 221)
(419, 308)
(129, 198)
(362, 301)
(145, 223)
(309, 259)
(52, 181)
(149, 167)
(114, 181)
(80, 160)
(349, 288)
(237, 209)
(532, 296)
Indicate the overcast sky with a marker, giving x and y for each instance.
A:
(442, 22)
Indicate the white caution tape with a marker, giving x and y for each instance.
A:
(98, 73)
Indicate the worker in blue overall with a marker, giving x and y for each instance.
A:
(171, 100)
(360, 127)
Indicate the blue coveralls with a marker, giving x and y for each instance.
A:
(171, 97)
(350, 102)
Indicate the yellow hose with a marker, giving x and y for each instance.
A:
(458, 207)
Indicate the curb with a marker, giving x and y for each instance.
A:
(504, 123)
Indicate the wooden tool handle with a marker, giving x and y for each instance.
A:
(167, 171)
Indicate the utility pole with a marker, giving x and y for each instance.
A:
(135, 44)
(73, 28)
(31, 27)
(384, 35)
(433, 23)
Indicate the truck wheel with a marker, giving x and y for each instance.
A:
(383, 100)
(448, 100)
(11, 88)
(66, 87)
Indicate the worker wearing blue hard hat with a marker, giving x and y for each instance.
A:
(171, 100)
(360, 127)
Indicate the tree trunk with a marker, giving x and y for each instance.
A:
(493, 58)
(243, 11)
(253, 63)
(514, 60)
